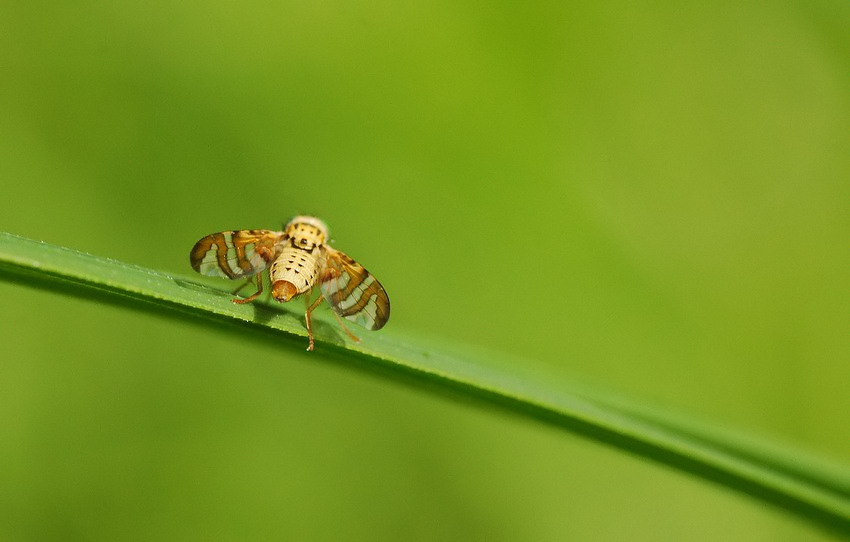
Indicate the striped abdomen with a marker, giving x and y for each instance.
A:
(296, 270)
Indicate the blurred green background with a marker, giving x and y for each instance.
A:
(649, 197)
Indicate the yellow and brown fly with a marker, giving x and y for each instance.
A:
(300, 259)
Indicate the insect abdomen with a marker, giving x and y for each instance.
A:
(297, 267)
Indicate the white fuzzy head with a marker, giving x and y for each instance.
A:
(311, 220)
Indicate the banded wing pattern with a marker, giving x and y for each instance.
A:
(353, 293)
(235, 254)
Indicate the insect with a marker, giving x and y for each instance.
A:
(299, 259)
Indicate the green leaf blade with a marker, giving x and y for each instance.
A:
(810, 487)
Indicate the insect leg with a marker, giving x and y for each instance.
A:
(354, 337)
(249, 280)
(310, 309)
(253, 296)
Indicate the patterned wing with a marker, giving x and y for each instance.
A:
(353, 293)
(235, 254)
